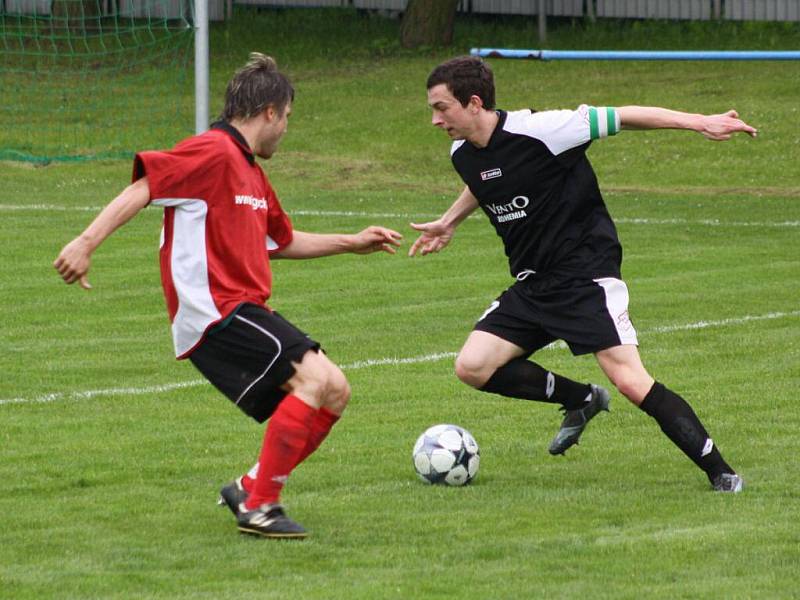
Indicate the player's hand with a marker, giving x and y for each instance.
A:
(73, 263)
(376, 239)
(435, 236)
(722, 127)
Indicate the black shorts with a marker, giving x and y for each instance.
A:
(251, 357)
(588, 314)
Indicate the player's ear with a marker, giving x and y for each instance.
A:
(475, 102)
(270, 113)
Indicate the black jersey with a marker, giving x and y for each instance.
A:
(539, 190)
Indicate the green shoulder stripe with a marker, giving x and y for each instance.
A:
(611, 116)
(594, 128)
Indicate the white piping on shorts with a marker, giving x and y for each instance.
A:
(269, 366)
(523, 275)
(617, 307)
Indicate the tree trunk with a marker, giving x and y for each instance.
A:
(428, 23)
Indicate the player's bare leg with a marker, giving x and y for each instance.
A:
(317, 395)
(304, 384)
(483, 354)
(495, 365)
(624, 368)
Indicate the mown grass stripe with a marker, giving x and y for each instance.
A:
(388, 215)
(376, 362)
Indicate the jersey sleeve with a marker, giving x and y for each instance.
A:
(279, 227)
(562, 130)
(176, 174)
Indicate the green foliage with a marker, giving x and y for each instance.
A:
(117, 84)
(109, 473)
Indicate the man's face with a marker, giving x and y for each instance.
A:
(448, 114)
(273, 130)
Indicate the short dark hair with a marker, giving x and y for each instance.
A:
(256, 86)
(465, 76)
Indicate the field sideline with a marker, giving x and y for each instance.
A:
(376, 362)
(112, 453)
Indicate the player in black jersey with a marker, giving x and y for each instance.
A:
(529, 174)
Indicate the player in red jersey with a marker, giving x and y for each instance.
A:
(222, 225)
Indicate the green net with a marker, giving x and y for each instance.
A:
(82, 79)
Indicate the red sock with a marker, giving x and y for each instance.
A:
(249, 478)
(284, 441)
(320, 428)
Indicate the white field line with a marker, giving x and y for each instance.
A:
(153, 389)
(50, 207)
(708, 222)
(725, 322)
(369, 215)
(362, 364)
(418, 216)
(306, 213)
(413, 360)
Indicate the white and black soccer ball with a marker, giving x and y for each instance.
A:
(446, 454)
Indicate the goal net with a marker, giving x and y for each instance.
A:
(84, 79)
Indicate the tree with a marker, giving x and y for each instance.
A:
(428, 23)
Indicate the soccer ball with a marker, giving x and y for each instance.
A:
(446, 454)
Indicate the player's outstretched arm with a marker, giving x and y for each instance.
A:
(714, 127)
(435, 235)
(74, 259)
(315, 245)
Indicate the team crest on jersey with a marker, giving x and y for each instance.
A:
(491, 174)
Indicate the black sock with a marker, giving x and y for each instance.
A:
(520, 378)
(681, 425)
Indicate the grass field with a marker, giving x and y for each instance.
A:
(112, 453)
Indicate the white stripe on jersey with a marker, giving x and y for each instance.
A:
(560, 130)
(189, 270)
(455, 146)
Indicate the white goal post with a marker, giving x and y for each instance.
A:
(201, 112)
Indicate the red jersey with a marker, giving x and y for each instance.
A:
(221, 220)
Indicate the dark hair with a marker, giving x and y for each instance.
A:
(256, 86)
(465, 76)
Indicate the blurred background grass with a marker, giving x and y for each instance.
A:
(108, 475)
